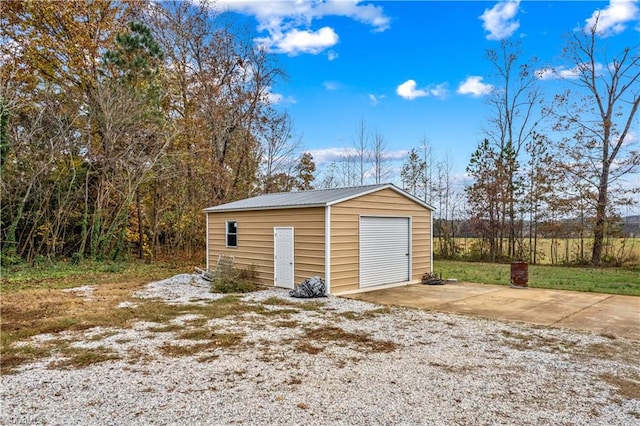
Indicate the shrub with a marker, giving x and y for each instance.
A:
(229, 279)
(76, 258)
(10, 259)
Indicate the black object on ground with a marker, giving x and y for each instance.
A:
(432, 279)
(310, 288)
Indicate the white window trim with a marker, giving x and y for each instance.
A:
(226, 233)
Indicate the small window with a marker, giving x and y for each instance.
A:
(232, 233)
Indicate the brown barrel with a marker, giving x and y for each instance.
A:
(520, 274)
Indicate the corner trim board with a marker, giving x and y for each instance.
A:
(431, 240)
(207, 241)
(327, 248)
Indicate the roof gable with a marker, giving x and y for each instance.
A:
(313, 198)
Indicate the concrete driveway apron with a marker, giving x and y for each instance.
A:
(594, 312)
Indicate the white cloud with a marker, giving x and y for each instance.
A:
(277, 98)
(337, 154)
(375, 100)
(296, 41)
(499, 20)
(612, 19)
(288, 24)
(562, 72)
(396, 155)
(631, 139)
(331, 85)
(439, 90)
(557, 73)
(545, 73)
(329, 155)
(408, 90)
(368, 14)
(332, 55)
(474, 86)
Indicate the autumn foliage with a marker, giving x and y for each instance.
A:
(121, 121)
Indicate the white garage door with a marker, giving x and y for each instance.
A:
(384, 250)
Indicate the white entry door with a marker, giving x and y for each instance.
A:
(283, 257)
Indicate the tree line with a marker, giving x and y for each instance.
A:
(546, 168)
(121, 120)
(554, 168)
(544, 162)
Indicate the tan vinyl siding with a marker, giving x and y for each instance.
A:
(345, 222)
(255, 240)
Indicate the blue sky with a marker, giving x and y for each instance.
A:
(411, 69)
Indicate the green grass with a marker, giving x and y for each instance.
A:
(64, 274)
(599, 280)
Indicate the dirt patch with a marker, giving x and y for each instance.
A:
(619, 350)
(626, 386)
(361, 341)
(308, 348)
(357, 316)
(75, 357)
(212, 341)
(532, 341)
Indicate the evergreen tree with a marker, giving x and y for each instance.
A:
(413, 174)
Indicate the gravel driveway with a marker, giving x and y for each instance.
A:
(383, 366)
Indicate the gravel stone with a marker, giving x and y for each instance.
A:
(444, 369)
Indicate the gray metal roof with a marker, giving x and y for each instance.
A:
(314, 198)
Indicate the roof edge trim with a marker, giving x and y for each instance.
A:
(304, 206)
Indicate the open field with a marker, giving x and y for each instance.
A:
(565, 250)
(601, 280)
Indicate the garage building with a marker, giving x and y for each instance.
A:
(355, 238)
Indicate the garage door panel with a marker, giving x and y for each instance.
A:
(384, 250)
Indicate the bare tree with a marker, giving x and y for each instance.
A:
(427, 158)
(349, 168)
(37, 182)
(513, 106)
(543, 182)
(137, 140)
(485, 198)
(331, 178)
(278, 150)
(221, 107)
(380, 158)
(444, 195)
(361, 145)
(598, 116)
